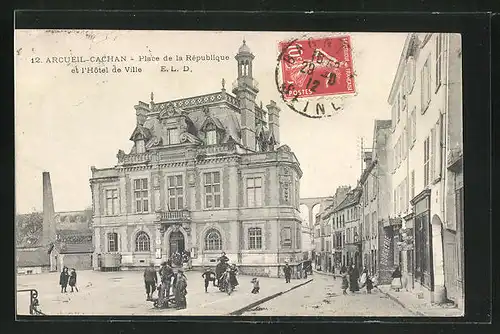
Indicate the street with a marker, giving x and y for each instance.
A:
(323, 297)
(122, 293)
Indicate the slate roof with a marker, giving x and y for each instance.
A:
(72, 248)
(32, 257)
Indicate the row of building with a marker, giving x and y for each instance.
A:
(407, 207)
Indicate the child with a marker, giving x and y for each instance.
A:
(72, 280)
(256, 286)
(369, 284)
(209, 276)
(345, 281)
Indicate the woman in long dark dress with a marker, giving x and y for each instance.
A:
(63, 279)
(396, 279)
(353, 279)
(345, 281)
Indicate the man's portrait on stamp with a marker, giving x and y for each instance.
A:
(230, 173)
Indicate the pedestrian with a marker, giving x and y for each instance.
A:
(166, 274)
(256, 286)
(353, 278)
(364, 275)
(72, 280)
(345, 282)
(150, 280)
(63, 279)
(209, 276)
(233, 271)
(223, 258)
(396, 279)
(369, 283)
(180, 290)
(287, 270)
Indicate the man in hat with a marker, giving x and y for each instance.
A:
(180, 289)
(150, 280)
(287, 270)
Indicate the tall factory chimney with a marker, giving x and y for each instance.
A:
(49, 227)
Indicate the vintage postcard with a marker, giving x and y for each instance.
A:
(216, 173)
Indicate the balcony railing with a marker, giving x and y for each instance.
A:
(247, 81)
(174, 216)
(217, 149)
(134, 158)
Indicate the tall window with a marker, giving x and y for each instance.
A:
(213, 240)
(254, 192)
(255, 238)
(411, 74)
(413, 127)
(212, 190)
(393, 113)
(439, 58)
(394, 200)
(374, 224)
(432, 152)
(398, 107)
(112, 202)
(412, 184)
(211, 137)
(175, 193)
(426, 86)
(142, 243)
(426, 162)
(404, 96)
(286, 237)
(172, 136)
(437, 148)
(112, 242)
(367, 226)
(141, 195)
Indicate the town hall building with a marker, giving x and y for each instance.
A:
(206, 174)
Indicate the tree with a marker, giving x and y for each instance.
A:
(29, 229)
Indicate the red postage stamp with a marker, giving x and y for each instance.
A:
(316, 67)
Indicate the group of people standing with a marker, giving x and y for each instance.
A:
(169, 281)
(352, 279)
(66, 278)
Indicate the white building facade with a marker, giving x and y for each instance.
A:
(419, 101)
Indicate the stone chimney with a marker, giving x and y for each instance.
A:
(274, 120)
(49, 227)
(141, 111)
(367, 158)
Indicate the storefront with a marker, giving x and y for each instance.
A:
(423, 269)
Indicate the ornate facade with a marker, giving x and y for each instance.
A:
(206, 174)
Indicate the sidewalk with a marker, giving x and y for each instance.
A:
(325, 273)
(419, 307)
(241, 299)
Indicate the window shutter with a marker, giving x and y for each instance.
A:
(439, 145)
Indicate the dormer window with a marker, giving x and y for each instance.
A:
(172, 136)
(140, 146)
(211, 137)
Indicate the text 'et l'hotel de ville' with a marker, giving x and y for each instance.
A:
(206, 174)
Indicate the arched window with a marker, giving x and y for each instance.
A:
(213, 240)
(142, 242)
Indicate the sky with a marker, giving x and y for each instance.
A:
(67, 122)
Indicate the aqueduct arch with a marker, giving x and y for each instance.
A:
(311, 202)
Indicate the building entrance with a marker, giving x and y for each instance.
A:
(176, 242)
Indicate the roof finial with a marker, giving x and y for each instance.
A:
(152, 97)
(244, 41)
(223, 83)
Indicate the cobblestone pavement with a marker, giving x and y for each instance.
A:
(323, 297)
(123, 293)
